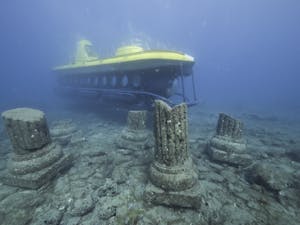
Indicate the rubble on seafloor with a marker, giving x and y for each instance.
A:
(106, 184)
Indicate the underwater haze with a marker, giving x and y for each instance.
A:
(119, 158)
(247, 52)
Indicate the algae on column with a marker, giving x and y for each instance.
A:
(173, 180)
(35, 159)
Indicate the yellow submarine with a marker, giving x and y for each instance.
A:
(132, 74)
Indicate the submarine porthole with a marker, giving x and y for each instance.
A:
(136, 81)
(124, 81)
(172, 87)
(96, 80)
(113, 81)
(104, 81)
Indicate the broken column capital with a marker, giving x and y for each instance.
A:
(228, 127)
(172, 166)
(172, 176)
(173, 180)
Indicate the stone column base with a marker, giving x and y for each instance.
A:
(173, 178)
(224, 150)
(36, 179)
(134, 140)
(234, 159)
(189, 198)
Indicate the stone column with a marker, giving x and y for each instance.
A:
(136, 120)
(27, 129)
(35, 159)
(173, 179)
(229, 127)
(228, 145)
(134, 136)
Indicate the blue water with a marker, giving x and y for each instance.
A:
(247, 52)
(247, 56)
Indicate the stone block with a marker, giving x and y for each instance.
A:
(189, 198)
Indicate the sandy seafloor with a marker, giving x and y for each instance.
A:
(105, 185)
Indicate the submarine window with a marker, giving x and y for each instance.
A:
(104, 81)
(96, 80)
(136, 81)
(124, 81)
(174, 84)
(113, 81)
(172, 87)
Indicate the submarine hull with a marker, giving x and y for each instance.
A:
(129, 82)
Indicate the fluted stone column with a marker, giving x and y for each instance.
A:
(134, 136)
(229, 127)
(173, 179)
(35, 159)
(228, 145)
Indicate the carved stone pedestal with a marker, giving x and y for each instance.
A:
(173, 179)
(35, 159)
(135, 136)
(227, 145)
